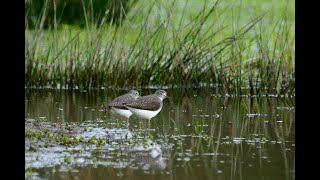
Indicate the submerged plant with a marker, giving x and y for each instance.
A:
(67, 159)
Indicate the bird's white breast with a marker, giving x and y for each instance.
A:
(122, 112)
(145, 114)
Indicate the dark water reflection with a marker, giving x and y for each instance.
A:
(201, 135)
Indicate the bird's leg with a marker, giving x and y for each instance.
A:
(128, 123)
(118, 123)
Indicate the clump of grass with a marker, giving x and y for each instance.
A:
(91, 140)
(29, 172)
(29, 133)
(67, 159)
(165, 50)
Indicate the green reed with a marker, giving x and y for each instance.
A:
(153, 46)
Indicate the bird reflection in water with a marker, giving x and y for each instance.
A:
(151, 157)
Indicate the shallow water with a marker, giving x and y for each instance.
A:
(199, 134)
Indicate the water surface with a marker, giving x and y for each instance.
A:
(199, 134)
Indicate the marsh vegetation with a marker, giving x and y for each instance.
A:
(229, 44)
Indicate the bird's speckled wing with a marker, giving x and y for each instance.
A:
(118, 101)
(150, 102)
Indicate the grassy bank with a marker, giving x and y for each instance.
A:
(231, 44)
